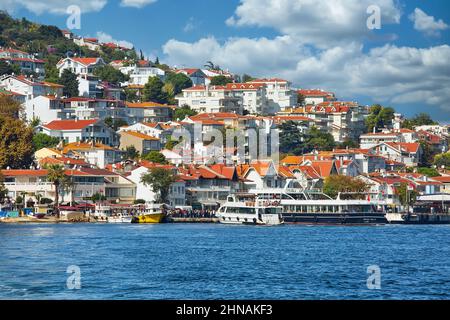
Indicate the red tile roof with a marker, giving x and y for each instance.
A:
(69, 124)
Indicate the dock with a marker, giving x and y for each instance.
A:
(191, 220)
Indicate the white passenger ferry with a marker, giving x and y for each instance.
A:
(314, 207)
(248, 209)
(106, 213)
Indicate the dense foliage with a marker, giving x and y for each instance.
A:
(159, 179)
(379, 117)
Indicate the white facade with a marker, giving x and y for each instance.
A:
(206, 99)
(140, 75)
(177, 194)
(28, 87)
(279, 94)
(80, 66)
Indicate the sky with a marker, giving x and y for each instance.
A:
(403, 62)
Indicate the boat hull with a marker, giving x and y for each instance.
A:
(403, 218)
(119, 219)
(149, 218)
(335, 218)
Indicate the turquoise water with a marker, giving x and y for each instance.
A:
(207, 261)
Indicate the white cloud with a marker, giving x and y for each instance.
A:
(190, 25)
(136, 3)
(427, 24)
(104, 37)
(323, 23)
(388, 74)
(52, 6)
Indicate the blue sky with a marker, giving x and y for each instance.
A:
(325, 44)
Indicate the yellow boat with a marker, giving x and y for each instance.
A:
(149, 213)
(149, 218)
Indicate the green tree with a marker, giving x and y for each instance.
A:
(300, 99)
(247, 78)
(291, 139)
(335, 184)
(131, 153)
(183, 112)
(349, 143)
(429, 172)
(35, 122)
(319, 140)
(220, 80)
(405, 196)
(9, 107)
(211, 66)
(56, 175)
(110, 74)
(421, 119)
(153, 91)
(3, 190)
(6, 68)
(97, 197)
(70, 82)
(131, 95)
(155, 157)
(115, 124)
(442, 160)
(379, 117)
(160, 180)
(41, 140)
(16, 147)
(179, 81)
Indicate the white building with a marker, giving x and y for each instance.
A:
(370, 140)
(80, 130)
(26, 62)
(90, 43)
(253, 97)
(80, 66)
(29, 87)
(210, 99)
(279, 94)
(97, 154)
(316, 96)
(177, 193)
(197, 76)
(140, 75)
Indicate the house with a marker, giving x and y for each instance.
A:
(159, 130)
(260, 174)
(139, 75)
(207, 187)
(48, 108)
(80, 131)
(141, 141)
(149, 112)
(408, 153)
(279, 94)
(370, 140)
(13, 95)
(97, 154)
(30, 87)
(316, 96)
(197, 76)
(80, 66)
(210, 99)
(344, 120)
(86, 182)
(177, 190)
(445, 181)
(47, 153)
(27, 63)
(253, 97)
(90, 43)
(437, 143)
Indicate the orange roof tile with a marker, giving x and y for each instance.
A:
(69, 124)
